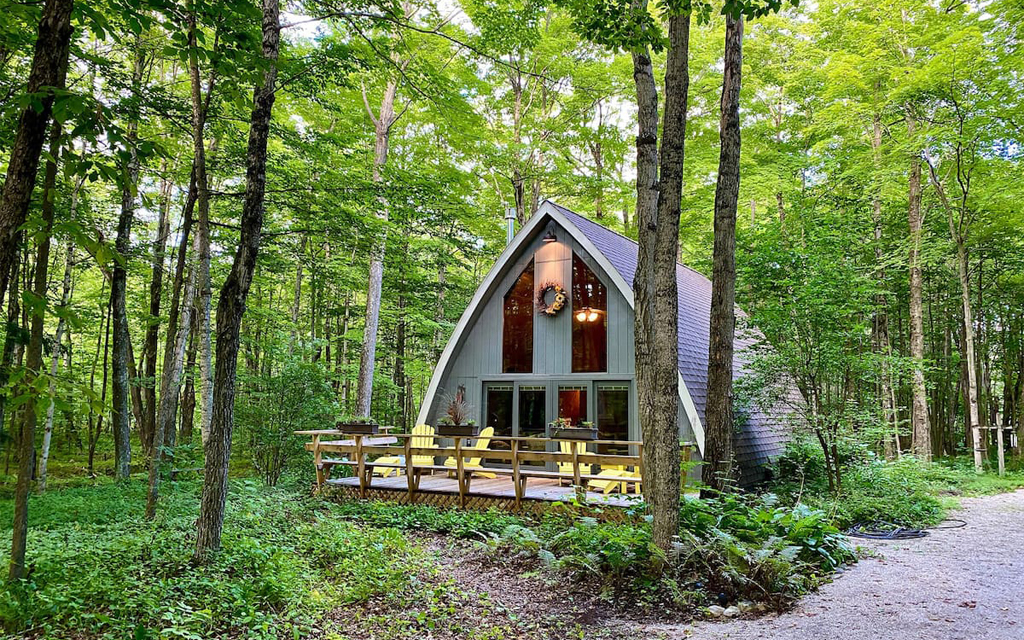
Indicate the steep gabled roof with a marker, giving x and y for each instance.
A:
(763, 434)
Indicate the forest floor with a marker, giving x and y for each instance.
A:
(953, 584)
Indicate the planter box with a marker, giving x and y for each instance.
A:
(449, 430)
(364, 428)
(574, 433)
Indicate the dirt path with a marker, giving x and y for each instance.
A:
(954, 584)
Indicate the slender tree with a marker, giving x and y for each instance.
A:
(718, 430)
(915, 219)
(233, 294)
(119, 282)
(654, 286)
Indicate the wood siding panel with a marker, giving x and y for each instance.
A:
(478, 358)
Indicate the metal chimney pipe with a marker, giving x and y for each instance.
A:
(510, 225)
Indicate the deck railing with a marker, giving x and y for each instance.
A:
(354, 451)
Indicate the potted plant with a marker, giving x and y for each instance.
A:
(456, 421)
(563, 428)
(361, 425)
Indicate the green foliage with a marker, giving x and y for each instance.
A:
(745, 548)
(96, 567)
(905, 492)
(270, 408)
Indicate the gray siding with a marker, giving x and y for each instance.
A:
(478, 358)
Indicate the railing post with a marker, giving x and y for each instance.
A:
(460, 471)
(515, 474)
(318, 461)
(581, 492)
(409, 469)
(360, 464)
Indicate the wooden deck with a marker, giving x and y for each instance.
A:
(501, 488)
(531, 474)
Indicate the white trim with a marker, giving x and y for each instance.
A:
(546, 211)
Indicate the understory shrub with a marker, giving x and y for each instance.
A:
(904, 492)
(271, 407)
(731, 547)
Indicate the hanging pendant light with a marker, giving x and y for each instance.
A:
(581, 315)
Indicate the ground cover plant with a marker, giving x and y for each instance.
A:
(905, 492)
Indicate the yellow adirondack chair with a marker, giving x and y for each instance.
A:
(422, 437)
(614, 471)
(566, 447)
(472, 464)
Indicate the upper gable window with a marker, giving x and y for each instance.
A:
(517, 325)
(589, 320)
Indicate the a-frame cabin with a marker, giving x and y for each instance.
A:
(522, 365)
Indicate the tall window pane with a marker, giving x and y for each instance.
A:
(589, 320)
(498, 400)
(517, 328)
(532, 416)
(613, 417)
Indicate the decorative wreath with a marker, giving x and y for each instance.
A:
(557, 304)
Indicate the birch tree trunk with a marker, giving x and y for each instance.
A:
(919, 409)
(382, 123)
(231, 305)
(717, 472)
(65, 298)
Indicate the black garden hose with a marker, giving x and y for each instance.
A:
(881, 530)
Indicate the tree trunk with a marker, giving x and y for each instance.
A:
(34, 357)
(880, 326)
(104, 339)
(65, 298)
(919, 413)
(118, 286)
(367, 358)
(156, 283)
(12, 338)
(231, 305)
(297, 297)
(49, 62)
(655, 287)
(971, 392)
(717, 472)
(188, 393)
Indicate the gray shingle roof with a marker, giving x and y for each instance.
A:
(762, 436)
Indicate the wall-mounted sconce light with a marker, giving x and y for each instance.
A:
(550, 237)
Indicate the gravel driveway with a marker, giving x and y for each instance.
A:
(954, 584)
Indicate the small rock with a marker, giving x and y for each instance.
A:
(732, 612)
(745, 606)
(716, 611)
